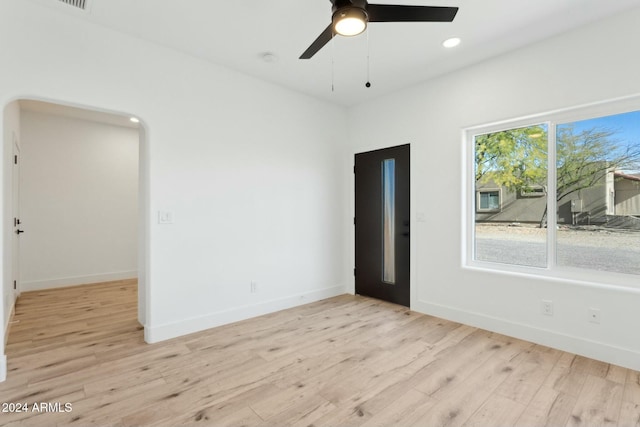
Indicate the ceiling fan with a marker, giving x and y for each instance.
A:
(350, 18)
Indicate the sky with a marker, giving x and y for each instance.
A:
(626, 126)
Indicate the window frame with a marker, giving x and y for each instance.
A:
(479, 192)
(596, 278)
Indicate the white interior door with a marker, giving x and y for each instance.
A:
(17, 230)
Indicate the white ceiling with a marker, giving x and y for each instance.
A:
(236, 33)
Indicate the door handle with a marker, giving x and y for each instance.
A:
(19, 231)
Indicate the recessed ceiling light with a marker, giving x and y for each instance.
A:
(452, 42)
(269, 57)
(135, 120)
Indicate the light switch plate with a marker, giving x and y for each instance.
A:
(165, 217)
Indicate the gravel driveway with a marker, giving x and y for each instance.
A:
(586, 247)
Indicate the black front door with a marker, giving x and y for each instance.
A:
(382, 224)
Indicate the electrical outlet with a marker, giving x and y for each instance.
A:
(594, 315)
(546, 307)
(254, 287)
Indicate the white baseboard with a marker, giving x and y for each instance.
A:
(77, 280)
(7, 330)
(3, 368)
(571, 344)
(7, 325)
(172, 330)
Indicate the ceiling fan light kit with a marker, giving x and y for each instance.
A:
(350, 21)
(350, 18)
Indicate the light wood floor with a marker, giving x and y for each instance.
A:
(346, 361)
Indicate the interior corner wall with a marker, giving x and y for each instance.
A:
(78, 201)
(579, 67)
(250, 171)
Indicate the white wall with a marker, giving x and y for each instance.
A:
(580, 67)
(250, 171)
(78, 201)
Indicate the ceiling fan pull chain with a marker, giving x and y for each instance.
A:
(368, 84)
(333, 72)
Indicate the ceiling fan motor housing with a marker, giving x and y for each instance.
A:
(344, 6)
(341, 4)
(354, 10)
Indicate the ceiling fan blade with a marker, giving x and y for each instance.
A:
(319, 43)
(397, 13)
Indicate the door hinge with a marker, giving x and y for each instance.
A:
(354, 168)
(15, 159)
(354, 271)
(15, 284)
(354, 220)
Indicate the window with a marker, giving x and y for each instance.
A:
(388, 221)
(507, 163)
(488, 201)
(533, 191)
(559, 195)
(598, 218)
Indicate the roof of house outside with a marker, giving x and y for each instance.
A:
(632, 177)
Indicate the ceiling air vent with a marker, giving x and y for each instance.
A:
(80, 4)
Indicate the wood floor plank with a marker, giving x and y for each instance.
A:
(598, 404)
(548, 408)
(564, 377)
(497, 410)
(407, 409)
(617, 374)
(457, 404)
(199, 404)
(456, 364)
(288, 400)
(528, 376)
(629, 414)
(100, 410)
(632, 387)
(344, 361)
(304, 415)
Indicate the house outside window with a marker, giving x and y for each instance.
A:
(488, 201)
